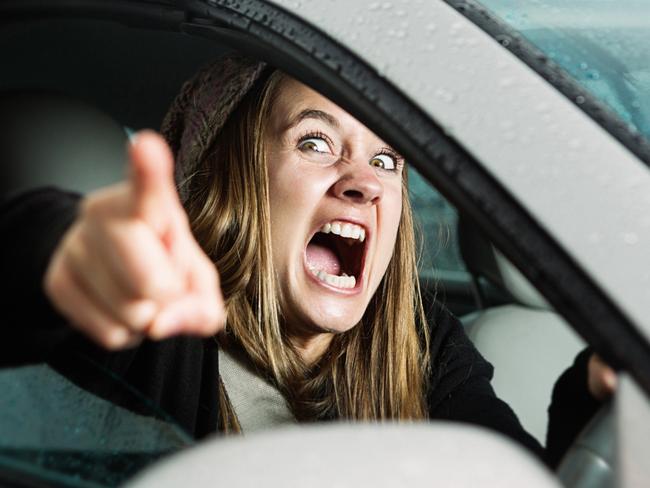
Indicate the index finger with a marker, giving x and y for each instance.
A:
(152, 177)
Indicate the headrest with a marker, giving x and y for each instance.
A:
(55, 140)
(484, 260)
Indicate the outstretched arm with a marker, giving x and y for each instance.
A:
(129, 267)
(119, 265)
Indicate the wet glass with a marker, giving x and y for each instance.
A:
(602, 44)
(54, 433)
(436, 222)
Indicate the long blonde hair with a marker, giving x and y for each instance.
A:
(378, 370)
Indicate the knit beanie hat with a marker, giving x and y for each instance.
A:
(202, 108)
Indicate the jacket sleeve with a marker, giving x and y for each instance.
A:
(31, 226)
(460, 388)
(177, 377)
(572, 406)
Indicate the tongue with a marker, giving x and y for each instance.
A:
(321, 257)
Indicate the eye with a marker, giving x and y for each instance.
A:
(384, 161)
(314, 144)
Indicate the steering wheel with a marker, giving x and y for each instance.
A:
(590, 459)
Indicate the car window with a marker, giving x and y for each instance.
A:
(603, 47)
(436, 222)
(52, 430)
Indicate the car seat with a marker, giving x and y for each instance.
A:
(51, 139)
(528, 343)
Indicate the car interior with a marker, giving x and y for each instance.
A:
(73, 91)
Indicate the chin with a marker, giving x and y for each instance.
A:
(337, 327)
(339, 320)
(330, 319)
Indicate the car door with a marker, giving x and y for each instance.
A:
(525, 162)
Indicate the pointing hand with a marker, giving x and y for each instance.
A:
(129, 266)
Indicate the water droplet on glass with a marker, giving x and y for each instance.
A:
(445, 95)
(584, 66)
(580, 99)
(593, 75)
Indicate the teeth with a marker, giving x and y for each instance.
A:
(351, 231)
(332, 280)
(343, 281)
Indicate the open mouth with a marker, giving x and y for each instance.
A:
(335, 254)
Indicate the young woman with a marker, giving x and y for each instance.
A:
(284, 236)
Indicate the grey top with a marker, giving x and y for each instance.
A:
(258, 404)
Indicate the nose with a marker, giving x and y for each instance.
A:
(359, 184)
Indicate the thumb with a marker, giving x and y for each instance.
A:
(152, 180)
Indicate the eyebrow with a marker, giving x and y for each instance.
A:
(311, 113)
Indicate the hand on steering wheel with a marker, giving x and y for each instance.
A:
(601, 379)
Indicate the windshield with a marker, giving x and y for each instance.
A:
(602, 44)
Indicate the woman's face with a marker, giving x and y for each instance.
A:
(336, 200)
